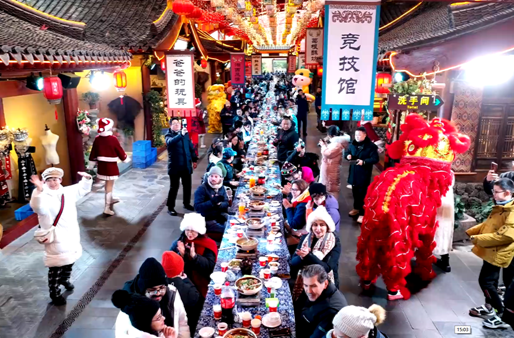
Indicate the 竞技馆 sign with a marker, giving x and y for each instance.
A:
(414, 102)
(180, 84)
(313, 46)
(350, 51)
(237, 70)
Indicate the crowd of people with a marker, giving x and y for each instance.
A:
(165, 298)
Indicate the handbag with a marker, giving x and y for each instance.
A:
(48, 236)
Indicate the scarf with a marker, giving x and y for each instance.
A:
(303, 198)
(504, 202)
(201, 243)
(321, 249)
(215, 187)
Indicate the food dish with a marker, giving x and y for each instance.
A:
(275, 257)
(218, 277)
(239, 333)
(271, 320)
(234, 264)
(256, 205)
(255, 223)
(249, 285)
(247, 244)
(275, 203)
(206, 332)
(258, 190)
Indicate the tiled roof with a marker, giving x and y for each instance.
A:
(130, 24)
(441, 21)
(20, 39)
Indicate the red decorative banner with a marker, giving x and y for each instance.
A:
(8, 172)
(248, 69)
(291, 63)
(237, 69)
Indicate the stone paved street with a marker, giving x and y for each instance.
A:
(25, 311)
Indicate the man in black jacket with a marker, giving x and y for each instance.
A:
(364, 155)
(319, 302)
(182, 159)
(300, 158)
(493, 176)
(211, 201)
(285, 140)
(303, 110)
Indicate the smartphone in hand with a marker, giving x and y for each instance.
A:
(494, 166)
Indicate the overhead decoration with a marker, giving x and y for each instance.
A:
(351, 38)
(383, 78)
(257, 65)
(183, 7)
(180, 84)
(203, 63)
(52, 89)
(313, 47)
(120, 82)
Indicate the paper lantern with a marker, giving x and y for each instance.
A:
(163, 65)
(383, 78)
(196, 14)
(320, 71)
(183, 7)
(203, 63)
(120, 80)
(52, 89)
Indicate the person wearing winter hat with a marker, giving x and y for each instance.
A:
(319, 246)
(58, 231)
(105, 153)
(320, 197)
(317, 304)
(173, 265)
(211, 201)
(227, 167)
(152, 283)
(358, 322)
(198, 251)
(182, 160)
(144, 314)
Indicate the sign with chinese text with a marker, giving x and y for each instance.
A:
(350, 51)
(237, 69)
(291, 63)
(180, 84)
(313, 46)
(301, 61)
(257, 65)
(414, 102)
(248, 67)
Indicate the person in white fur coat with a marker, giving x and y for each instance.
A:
(65, 249)
(444, 232)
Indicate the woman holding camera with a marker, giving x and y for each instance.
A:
(332, 156)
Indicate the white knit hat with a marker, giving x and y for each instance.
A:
(193, 221)
(52, 172)
(357, 321)
(321, 213)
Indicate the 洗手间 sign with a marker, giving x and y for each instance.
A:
(414, 102)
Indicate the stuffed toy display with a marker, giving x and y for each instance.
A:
(401, 205)
(216, 97)
(302, 80)
(105, 152)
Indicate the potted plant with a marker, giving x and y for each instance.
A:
(92, 99)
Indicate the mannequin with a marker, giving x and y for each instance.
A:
(26, 165)
(106, 151)
(6, 139)
(49, 142)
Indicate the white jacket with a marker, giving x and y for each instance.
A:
(124, 328)
(446, 218)
(66, 248)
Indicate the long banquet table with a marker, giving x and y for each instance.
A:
(227, 252)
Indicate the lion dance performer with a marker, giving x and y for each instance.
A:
(216, 98)
(401, 205)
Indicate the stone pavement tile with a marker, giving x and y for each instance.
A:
(89, 333)
(94, 322)
(427, 334)
(416, 314)
(438, 311)
(406, 335)
(396, 323)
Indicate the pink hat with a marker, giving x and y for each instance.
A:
(105, 124)
(307, 175)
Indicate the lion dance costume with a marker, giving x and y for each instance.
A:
(216, 98)
(401, 205)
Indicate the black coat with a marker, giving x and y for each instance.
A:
(181, 152)
(314, 319)
(204, 264)
(488, 186)
(366, 151)
(227, 118)
(303, 107)
(193, 302)
(307, 160)
(285, 142)
(206, 206)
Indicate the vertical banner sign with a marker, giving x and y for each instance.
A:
(301, 61)
(257, 65)
(350, 59)
(248, 67)
(291, 63)
(237, 70)
(180, 84)
(313, 46)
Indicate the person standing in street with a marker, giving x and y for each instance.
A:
(58, 229)
(317, 104)
(362, 154)
(303, 110)
(182, 159)
(286, 140)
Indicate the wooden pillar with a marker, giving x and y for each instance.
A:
(75, 147)
(145, 76)
(213, 72)
(2, 114)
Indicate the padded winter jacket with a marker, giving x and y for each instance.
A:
(332, 157)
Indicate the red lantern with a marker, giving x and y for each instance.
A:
(120, 80)
(196, 14)
(163, 65)
(203, 63)
(183, 7)
(320, 71)
(52, 89)
(383, 78)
